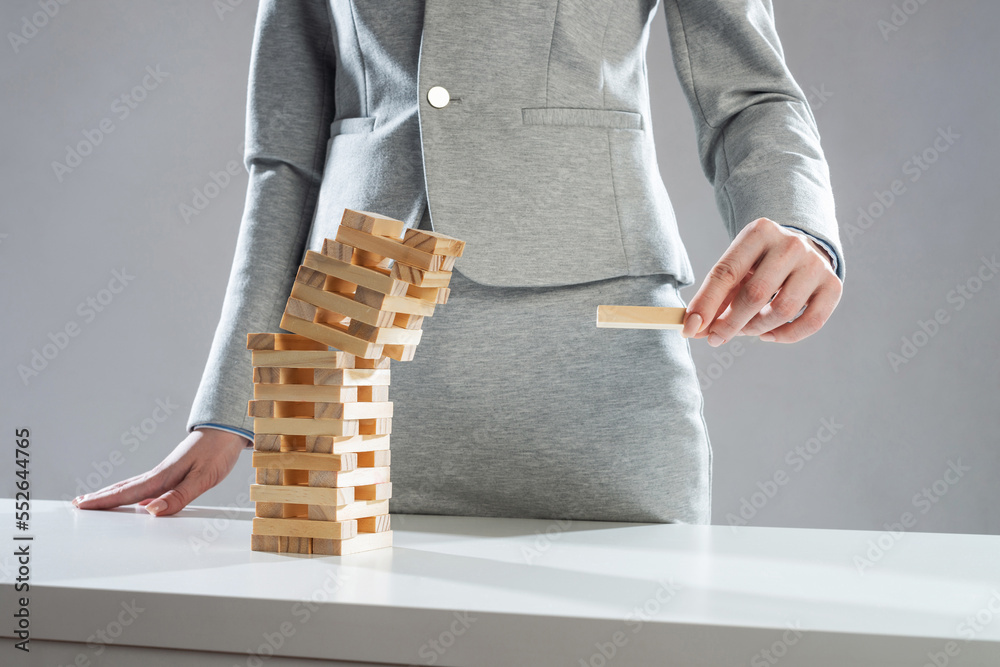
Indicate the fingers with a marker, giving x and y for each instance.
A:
(793, 295)
(121, 493)
(728, 273)
(820, 307)
(175, 500)
(754, 295)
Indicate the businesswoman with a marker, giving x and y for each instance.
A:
(523, 128)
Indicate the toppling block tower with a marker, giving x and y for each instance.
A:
(321, 409)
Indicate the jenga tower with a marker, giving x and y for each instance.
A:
(322, 416)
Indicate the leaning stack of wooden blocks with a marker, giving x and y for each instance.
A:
(322, 416)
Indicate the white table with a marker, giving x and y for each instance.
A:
(464, 591)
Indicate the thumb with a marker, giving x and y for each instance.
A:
(176, 499)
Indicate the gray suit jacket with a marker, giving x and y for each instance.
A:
(543, 160)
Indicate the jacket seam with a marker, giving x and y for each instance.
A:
(361, 57)
(548, 60)
(618, 214)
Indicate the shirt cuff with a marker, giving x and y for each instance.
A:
(230, 429)
(834, 260)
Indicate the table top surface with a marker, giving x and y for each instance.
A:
(838, 581)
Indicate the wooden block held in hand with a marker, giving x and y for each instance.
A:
(640, 317)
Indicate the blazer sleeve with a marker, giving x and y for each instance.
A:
(290, 105)
(757, 137)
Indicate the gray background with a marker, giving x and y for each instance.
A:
(879, 99)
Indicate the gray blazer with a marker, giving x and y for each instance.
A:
(542, 161)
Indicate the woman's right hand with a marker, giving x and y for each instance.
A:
(199, 462)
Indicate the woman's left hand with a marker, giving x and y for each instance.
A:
(766, 277)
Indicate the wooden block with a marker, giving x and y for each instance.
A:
(346, 253)
(419, 277)
(303, 495)
(377, 459)
(357, 377)
(268, 476)
(300, 309)
(373, 491)
(391, 248)
(354, 410)
(294, 545)
(433, 242)
(299, 426)
(400, 352)
(266, 375)
(266, 442)
(363, 542)
(372, 394)
(640, 317)
(384, 335)
(336, 530)
(267, 543)
(394, 304)
(374, 524)
(448, 263)
(271, 509)
(306, 392)
(293, 443)
(373, 223)
(381, 363)
(266, 408)
(281, 341)
(404, 321)
(358, 275)
(359, 509)
(375, 426)
(332, 336)
(358, 477)
(295, 375)
(437, 295)
(342, 304)
(305, 461)
(302, 359)
(357, 443)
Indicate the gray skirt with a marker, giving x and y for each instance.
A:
(517, 405)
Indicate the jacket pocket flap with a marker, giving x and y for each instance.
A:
(611, 118)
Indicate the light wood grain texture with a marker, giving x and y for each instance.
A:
(381, 491)
(374, 524)
(371, 394)
(375, 426)
(268, 543)
(358, 275)
(433, 242)
(282, 341)
(303, 495)
(349, 512)
(267, 475)
(302, 358)
(307, 392)
(345, 305)
(356, 410)
(346, 253)
(305, 461)
(420, 277)
(357, 377)
(448, 263)
(400, 352)
(404, 321)
(373, 223)
(297, 426)
(332, 336)
(394, 304)
(336, 530)
(357, 477)
(294, 545)
(363, 542)
(391, 248)
(380, 363)
(640, 317)
(384, 335)
(436, 295)
(266, 442)
(377, 459)
(342, 445)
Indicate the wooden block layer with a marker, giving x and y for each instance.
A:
(640, 317)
